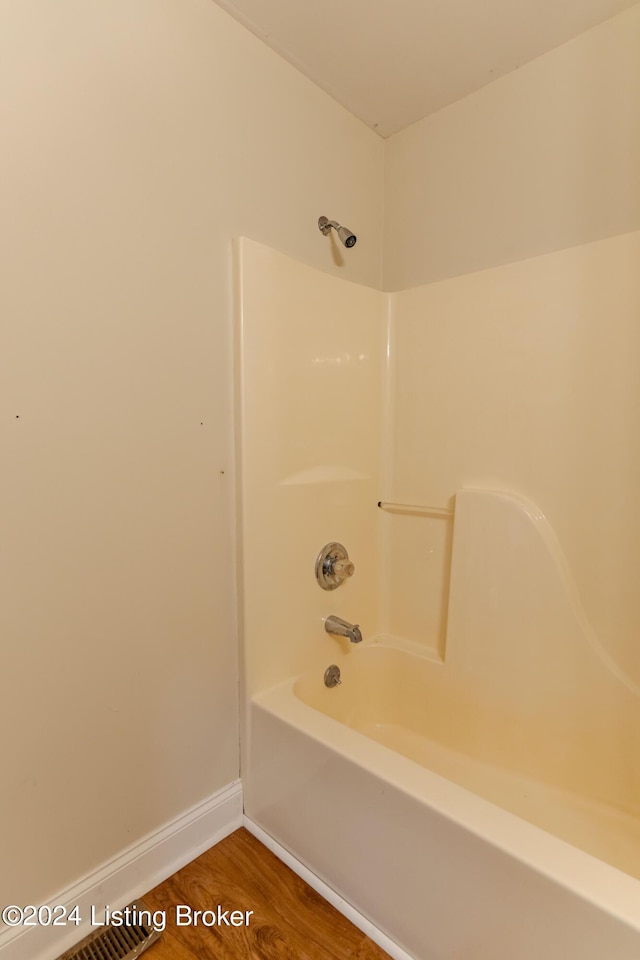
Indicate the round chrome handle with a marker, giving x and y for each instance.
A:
(333, 566)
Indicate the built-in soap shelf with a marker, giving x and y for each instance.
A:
(413, 508)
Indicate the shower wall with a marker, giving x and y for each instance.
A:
(524, 378)
(311, 357)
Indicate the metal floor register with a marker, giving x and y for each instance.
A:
(115, 943)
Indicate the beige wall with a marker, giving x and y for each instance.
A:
(544, 158)
(138, 139)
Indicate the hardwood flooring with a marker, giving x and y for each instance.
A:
(290, 921)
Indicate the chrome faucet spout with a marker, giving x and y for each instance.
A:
(338, 627)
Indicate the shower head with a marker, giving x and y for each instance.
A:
(347, 238)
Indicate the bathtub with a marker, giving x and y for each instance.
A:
(453, 851)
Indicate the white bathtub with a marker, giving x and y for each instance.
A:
(444, 850)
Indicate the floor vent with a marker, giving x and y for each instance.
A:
(115, 943)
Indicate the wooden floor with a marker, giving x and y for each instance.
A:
(290, 921)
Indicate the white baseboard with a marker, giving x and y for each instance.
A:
(131, 874)
(341, 905)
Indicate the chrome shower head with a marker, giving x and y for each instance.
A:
(347, 238)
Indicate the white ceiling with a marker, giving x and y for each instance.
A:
(392, 62)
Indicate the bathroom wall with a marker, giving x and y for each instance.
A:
(311, 357)
(544, 158)
(138, 139)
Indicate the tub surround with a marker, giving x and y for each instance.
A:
(310, 354)
(524, 378)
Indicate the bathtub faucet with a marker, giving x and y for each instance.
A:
(338, 627)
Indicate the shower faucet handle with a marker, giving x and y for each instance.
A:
(333, 566)
(342, 569)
